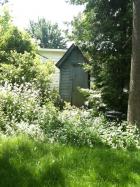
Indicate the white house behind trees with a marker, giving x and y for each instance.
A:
(53, 55)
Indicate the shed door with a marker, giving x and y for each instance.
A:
(66, 83)
(80, 79)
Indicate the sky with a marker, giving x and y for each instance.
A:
(53, 10)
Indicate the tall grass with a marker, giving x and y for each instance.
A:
(27, 163)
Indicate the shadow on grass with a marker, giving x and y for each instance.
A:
(10, 176)
(53, 176)
(112, 167)
(116, 167)
(24, 163)
(19, 167)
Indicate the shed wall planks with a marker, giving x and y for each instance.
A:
(72, 76)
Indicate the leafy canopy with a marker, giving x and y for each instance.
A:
(49, 35)
(12, 39)
(104, 31)
(19, 63)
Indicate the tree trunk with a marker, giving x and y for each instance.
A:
(134, 93)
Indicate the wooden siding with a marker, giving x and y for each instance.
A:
(80, 79)
(66, 83)
(53, 55)
(72, 76)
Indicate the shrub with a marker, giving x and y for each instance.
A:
(21, 111)
(19, 102)
(43, 81)
(79, 127)
(19, 68)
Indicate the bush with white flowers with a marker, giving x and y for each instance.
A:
(22, 111)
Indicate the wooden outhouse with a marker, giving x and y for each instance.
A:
(72, 76)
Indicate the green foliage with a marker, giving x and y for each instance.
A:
(11, 38)
(77, 2)
(43, 81)
(49, 35)
(18, 68)
(104, 32)
(17, 53)
(18, 61)
(25, 68)
(24, 83)
(22, 111)
(19, 103)
(27, 106)
(5, 20)
(93, 100)
(80, 127)
(25, 162)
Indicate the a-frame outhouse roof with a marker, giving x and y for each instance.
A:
(67, 54)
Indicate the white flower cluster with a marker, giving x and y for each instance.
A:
(80, 127)
(25, 90)
(21, 112)
(21, 107)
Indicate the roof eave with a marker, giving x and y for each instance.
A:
(67, 53)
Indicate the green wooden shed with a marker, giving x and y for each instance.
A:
(72, 76)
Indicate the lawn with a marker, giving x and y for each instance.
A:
(28, 163)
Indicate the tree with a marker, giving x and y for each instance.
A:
(19, 63)
(49, 35)
(134, 93)
(104, 32)
(12, 39)
(17, 52)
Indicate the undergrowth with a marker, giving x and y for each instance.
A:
(22, 112)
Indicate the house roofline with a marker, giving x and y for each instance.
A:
(51, 50)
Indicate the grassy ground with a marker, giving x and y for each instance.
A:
(24, 162)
